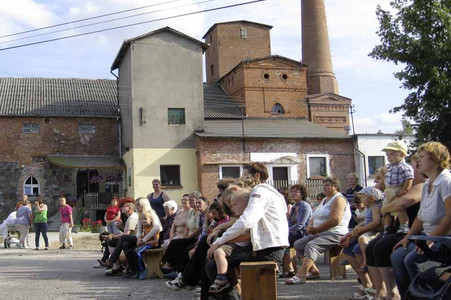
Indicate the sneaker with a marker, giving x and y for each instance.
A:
(46, 248)
(218, 286)
(176, 284)
(403, 229)
(62, 246)
(112, 272)
(143, 274)
(37, 248)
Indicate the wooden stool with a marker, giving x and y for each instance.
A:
(336, 269)
(258, 280)
(152, 258)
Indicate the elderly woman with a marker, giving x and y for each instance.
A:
(24, 220)
(157, 198)
(328, 224)
(179, 224)
(300, 215)
(434, 216)
(354, 187)
(170, 210)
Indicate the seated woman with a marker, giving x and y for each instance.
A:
(179, 225)
(328, 224)
(434, 216)
(170, 211)
(301, 213)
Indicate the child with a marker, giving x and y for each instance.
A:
(113, 217)
(148, 239)
(398, 181)
(360, 212)
(239, 202)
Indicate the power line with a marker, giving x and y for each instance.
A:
(87, 19)
(102, 22)
(133, 24)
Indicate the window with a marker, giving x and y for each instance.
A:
(277, 109)
(30, 128)
(31, 186)
(176, 116)
(280, 174)
(243, 33)
(317, 166)
(230, 172)
(170, 175)
(86, 128)
(374, 163)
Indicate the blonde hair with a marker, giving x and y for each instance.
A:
(438, 153)
(144, 202)
(146, 214)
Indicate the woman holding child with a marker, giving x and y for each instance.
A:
(434, 216)
(328, 224)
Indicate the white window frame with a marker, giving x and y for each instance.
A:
(31, 185)
(326, 156)
(229, 166)
(368, 163)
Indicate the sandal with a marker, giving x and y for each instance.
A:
(295, 280)
(287, 274)
(311, 276)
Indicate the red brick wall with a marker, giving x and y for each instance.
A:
(56, 135)
(214, 151)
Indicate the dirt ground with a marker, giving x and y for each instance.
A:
(81, 242)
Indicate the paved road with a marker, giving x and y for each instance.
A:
(68, 274)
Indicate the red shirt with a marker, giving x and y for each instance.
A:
(111, 212)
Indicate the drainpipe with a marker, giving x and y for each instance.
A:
(118, 116)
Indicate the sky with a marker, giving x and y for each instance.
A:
(352, 28)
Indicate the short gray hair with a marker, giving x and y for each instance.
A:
(171, 205)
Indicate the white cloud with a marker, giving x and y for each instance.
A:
(385, 122)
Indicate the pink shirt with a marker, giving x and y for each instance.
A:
(66, 212)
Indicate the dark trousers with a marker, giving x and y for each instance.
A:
(177, 253)
(106, 254)
(125, 243)
(237, 257)
(195, 267)
(41, 228)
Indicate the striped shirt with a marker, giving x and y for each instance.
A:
(398, 173)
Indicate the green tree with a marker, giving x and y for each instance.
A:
(417, 35)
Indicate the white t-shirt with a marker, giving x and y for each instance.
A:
(432, 206)
(132, 223)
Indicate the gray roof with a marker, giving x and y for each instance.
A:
(63, 97)
(268, 128)
(218, 105)
(127, 43)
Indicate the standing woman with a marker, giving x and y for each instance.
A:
(40, 223)
(157, 198)
(24, 220)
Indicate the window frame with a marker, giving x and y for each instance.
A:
(368, 164)
(229, 166)
(31, 128)
(87, 128)
(164, 182)
(327, 161)
(31, 186)
(179, 109)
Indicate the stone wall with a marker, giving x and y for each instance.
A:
(9, 176)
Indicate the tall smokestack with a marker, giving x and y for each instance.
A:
(316, 50)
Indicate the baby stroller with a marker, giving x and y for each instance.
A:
(12, 236)
(433, 280)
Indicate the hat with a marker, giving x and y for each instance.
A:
(371, 191)
(396, 146)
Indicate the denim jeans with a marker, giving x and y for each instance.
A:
(41, 228)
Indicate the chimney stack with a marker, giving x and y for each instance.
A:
(316, 50)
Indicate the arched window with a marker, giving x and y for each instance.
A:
(31, 186)
(277, 109)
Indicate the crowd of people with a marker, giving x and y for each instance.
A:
(205, 240)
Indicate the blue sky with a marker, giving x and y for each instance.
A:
(352, 26)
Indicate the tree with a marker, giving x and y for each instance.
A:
(406, 128)
(417, 35)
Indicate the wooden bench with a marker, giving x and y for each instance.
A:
(334, 256)
(258, 280)
(152, 259)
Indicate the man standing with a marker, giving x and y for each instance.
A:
(66, 225)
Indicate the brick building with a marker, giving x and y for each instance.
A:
(58, 137)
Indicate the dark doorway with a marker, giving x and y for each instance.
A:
(280, 173)
(82, 182)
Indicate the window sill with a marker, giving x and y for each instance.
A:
(171, 187)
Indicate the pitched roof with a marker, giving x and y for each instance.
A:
(237, 22)
(268, 128)
(127, 43)
(64, 97)
(218, 105)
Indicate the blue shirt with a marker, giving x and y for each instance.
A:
(300, 216)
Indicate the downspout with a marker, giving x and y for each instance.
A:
(118, 114)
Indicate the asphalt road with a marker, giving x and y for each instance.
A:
(68, 274)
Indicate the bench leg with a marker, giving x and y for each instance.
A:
(153, 264)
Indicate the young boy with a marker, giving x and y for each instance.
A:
(398, 181)
(239, 202)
